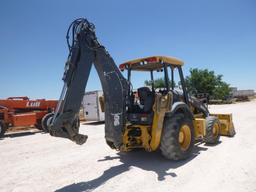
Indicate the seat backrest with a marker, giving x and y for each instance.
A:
(146, 98)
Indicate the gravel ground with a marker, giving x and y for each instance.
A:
(34, 161)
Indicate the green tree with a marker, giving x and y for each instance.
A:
(158, 83)
(205, 81)
(222, 91)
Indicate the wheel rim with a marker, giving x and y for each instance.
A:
(215, 130)
(184, 137)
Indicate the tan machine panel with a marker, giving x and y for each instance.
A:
(199, 125)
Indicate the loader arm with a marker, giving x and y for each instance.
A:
(85, 50)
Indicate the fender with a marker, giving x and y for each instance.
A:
(180, 107)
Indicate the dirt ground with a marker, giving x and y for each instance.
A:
(34, 161)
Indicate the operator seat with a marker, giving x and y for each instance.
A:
(146, 99)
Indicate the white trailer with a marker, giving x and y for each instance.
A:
(92, 107)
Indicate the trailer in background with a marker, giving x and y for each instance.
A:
(93, 109)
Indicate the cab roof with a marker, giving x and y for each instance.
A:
(150, 63)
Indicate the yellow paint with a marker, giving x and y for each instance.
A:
(141, 141)
(184, 137)
(215, 129)
(161, 106)
(200, 127)
(151, 63)
(226, 124)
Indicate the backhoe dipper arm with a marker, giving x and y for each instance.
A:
(85, 50)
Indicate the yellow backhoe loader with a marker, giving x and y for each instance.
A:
(167, 119)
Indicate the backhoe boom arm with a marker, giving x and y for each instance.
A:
(85, 50)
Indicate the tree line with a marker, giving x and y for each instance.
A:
(201, 81)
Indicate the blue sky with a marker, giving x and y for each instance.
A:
(219, 35)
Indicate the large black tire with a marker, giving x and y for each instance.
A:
(3, 128)
(212, 130)
(171, 146)
(46, 121)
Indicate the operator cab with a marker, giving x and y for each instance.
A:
(141, 101)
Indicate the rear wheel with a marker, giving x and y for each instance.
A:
(177, 137)
(46, 121)
(3, 128)
(212, 130)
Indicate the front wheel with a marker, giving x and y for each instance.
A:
(177, 137)
(212, 130)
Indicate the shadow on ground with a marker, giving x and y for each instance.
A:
(93, 123)
(153, 162)
(20, 134)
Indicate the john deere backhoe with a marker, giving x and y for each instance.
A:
(152, 119)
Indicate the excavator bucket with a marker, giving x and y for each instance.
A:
(227, 126)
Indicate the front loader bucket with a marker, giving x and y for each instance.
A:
(227, 126)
